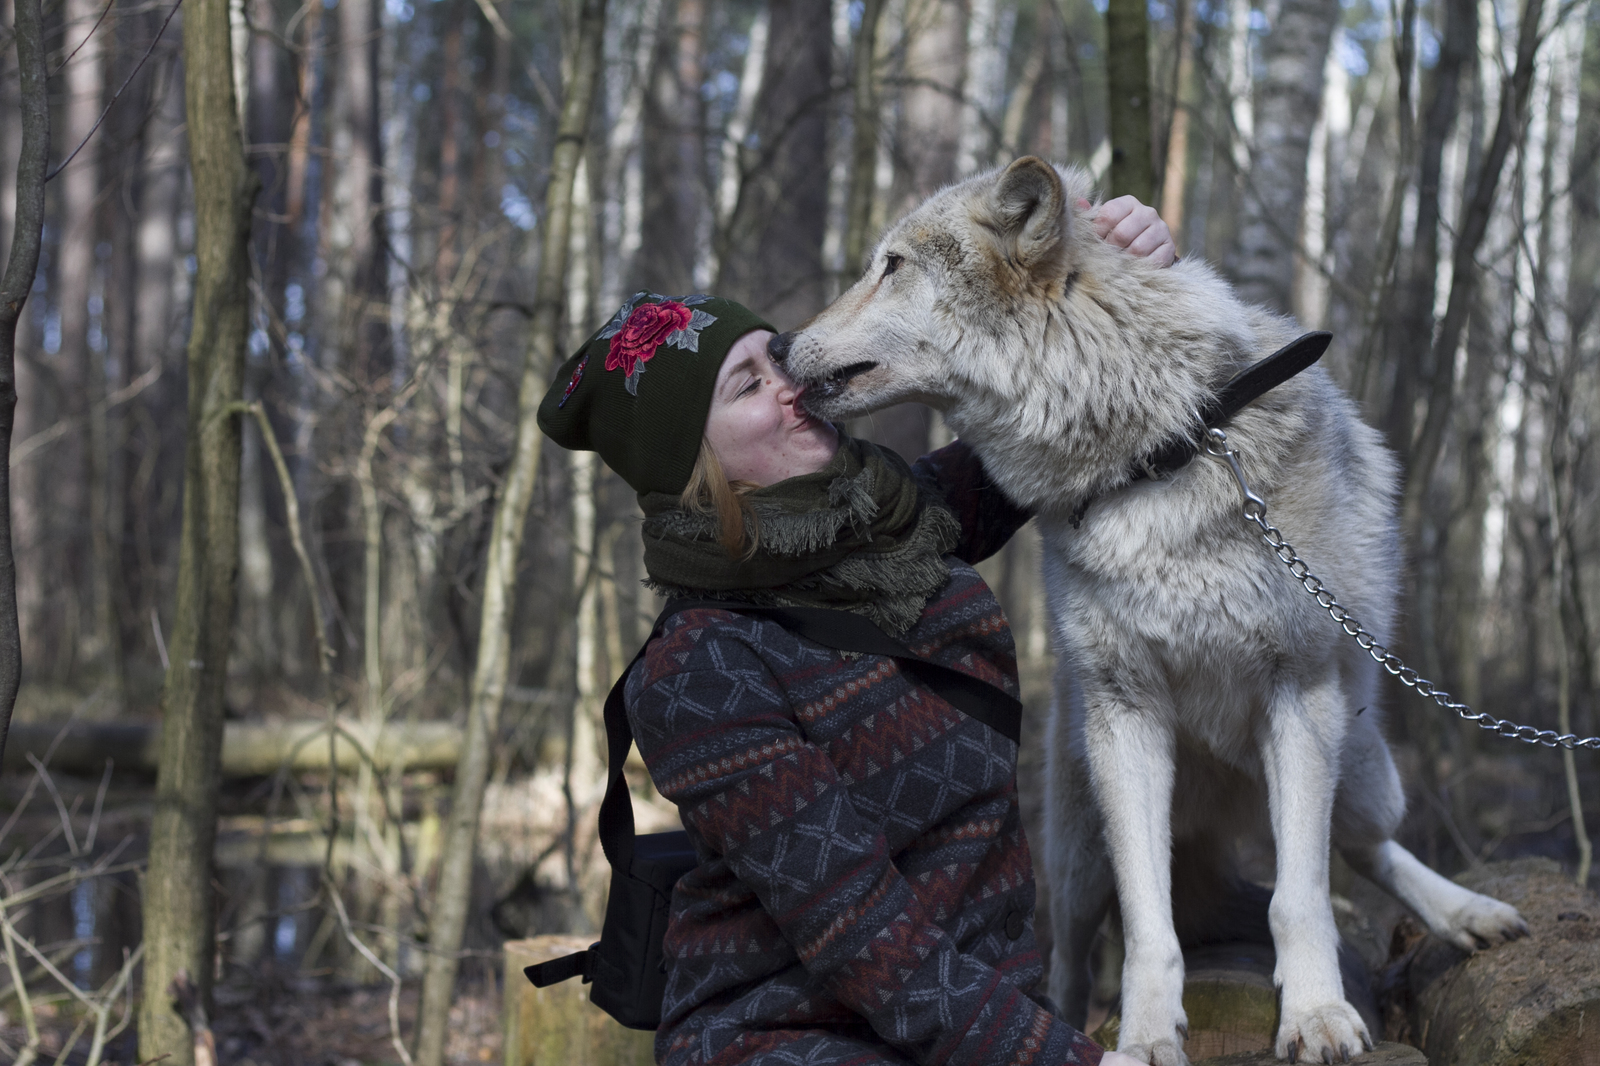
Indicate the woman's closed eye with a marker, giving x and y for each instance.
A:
(750, 386)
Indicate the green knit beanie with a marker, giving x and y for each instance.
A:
(639, 390)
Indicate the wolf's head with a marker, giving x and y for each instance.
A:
(975, 261)
(996, 303)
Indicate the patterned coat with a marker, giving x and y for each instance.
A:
(865, 892)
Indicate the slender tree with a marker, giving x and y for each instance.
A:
(1128, 81)
(178, 902)
(864, 141)
(1415, 320)
(448, 919)
(1514, 93)
(15, 284)
(777, 265)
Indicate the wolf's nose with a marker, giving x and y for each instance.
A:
(778, 346)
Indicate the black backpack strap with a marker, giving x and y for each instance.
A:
(848, 631)
(578, 964)
(616, 809)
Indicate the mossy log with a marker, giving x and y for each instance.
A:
(1232, 1005)
(248, 750)
(558, 1026)
(1532, 1002)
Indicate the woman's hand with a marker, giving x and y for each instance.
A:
(1117, 1058)
(1127, 223)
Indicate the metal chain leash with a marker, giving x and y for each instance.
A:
(1255, 512)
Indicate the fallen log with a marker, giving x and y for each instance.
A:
(558, 1026)
(248, 749)
(1382, 1055)
(1532, 1002)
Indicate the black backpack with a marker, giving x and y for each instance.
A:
(627, 965)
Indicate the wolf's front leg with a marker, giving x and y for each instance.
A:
(1300, 755)
(1079, 869)
(1131, 761)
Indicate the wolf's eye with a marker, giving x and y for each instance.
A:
(891, 263)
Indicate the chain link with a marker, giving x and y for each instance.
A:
(1255, 512)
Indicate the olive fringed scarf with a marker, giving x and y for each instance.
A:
(858, 535)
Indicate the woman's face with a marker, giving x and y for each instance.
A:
(759, 433)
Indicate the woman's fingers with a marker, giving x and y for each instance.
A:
(1127, 223)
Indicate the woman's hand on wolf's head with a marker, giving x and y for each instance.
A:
(1127, 223)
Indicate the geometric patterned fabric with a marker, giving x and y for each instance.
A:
(865, 892)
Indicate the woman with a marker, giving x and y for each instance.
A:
(865, 892)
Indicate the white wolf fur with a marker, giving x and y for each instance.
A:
(1205, 695)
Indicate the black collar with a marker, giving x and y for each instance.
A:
(1230, 399)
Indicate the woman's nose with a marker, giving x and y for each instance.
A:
(788, 391)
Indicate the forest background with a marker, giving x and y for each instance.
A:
(431, 200)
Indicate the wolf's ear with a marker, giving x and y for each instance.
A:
(1031, 216)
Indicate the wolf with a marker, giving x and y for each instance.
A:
(1204, 697)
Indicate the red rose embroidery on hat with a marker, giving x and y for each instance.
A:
(647, 327)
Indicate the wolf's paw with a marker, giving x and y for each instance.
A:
(1481, 922)
(1332, 1032)
(1157, 1052)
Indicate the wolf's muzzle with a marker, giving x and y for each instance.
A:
(778, 346)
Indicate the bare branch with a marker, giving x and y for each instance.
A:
(134, 73)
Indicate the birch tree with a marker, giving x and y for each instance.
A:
(1288, 97)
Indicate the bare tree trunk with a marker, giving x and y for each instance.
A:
(984, 87)
(178, 926)
(736, 154)
(1288, 99)
(78, 273)
(21, 265)
(354, 277)
(925, 151)
(10, 142)
(930, 125)
(864, 141)
(448, 919)
(775, 262)
(1411, 334)
(674, 170)
(1175, 164)
(1514, 93)
(620, 178)
(1128, 86)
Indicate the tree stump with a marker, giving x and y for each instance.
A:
(1233, 1006)
(558, 1026)
(1532, 1002)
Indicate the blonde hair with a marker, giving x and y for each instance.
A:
(710, 492)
